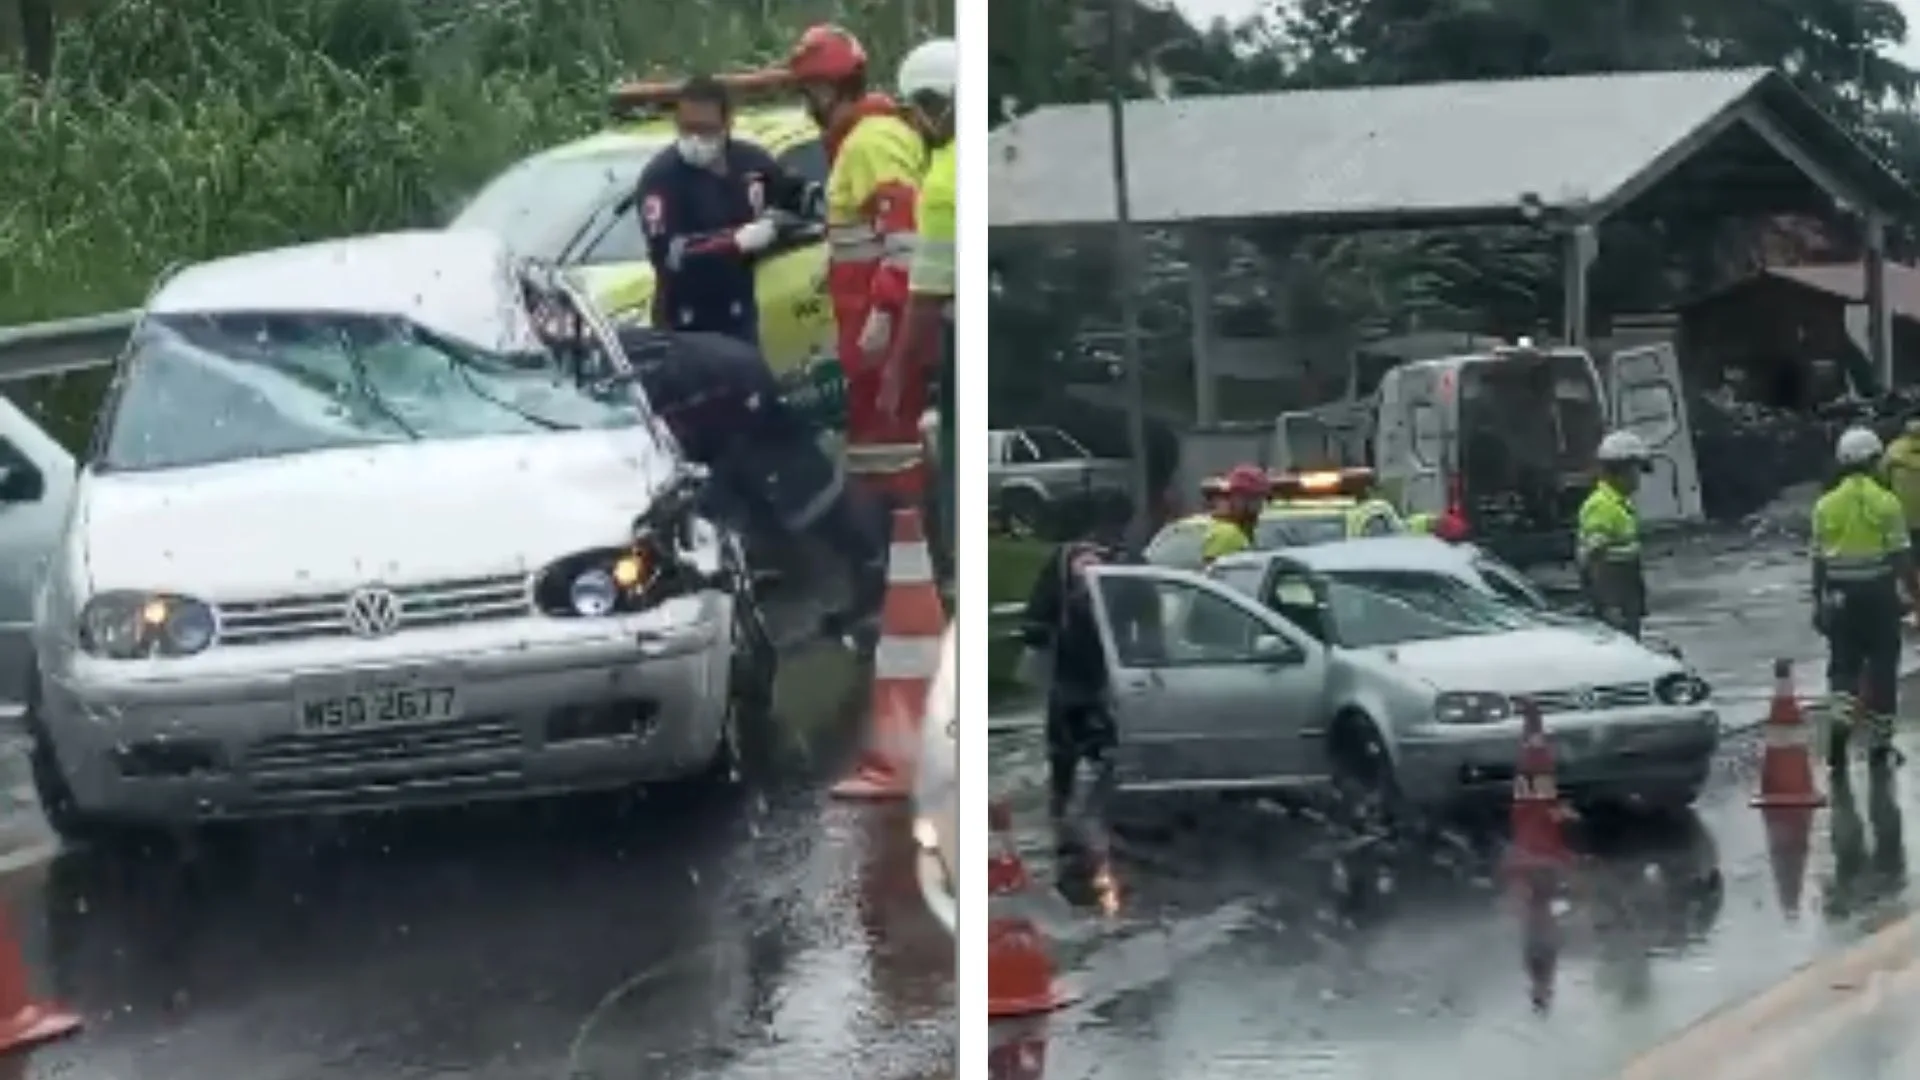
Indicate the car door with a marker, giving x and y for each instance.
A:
(1647, 401)
(1209, 691)
(36, 487)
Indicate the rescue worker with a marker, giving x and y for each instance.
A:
(1231, 527)
(925, 341)
(1607, 543)
(703, 207)
(723, 404)
(876, 160)
(1902, 468)
(1060, 624)
(1862, 554)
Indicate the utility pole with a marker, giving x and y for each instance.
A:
(1127, 273)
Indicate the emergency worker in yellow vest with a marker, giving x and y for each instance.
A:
(1862, 554)
(1902, 467)
(1231, 527)
(1607, 543)
(925, 342)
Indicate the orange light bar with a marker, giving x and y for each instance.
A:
(1323, 482)
(626, 99)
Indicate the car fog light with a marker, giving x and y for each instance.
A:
(594, 593)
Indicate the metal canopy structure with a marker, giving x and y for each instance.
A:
(1562, 154)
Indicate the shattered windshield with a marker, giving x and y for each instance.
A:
(203, 389)
(1372, 608)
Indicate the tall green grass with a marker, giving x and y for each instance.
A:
(177, 130)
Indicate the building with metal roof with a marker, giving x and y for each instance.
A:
(1562, 153)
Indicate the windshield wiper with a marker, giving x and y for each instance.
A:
(460, 362)
(372, 396)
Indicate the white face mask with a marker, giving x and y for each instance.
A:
(700, 149)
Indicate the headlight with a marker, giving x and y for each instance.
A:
(1682, 688)
(133, 625)
(1471, 708)
(593, 584)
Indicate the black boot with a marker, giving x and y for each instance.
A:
(857, 529)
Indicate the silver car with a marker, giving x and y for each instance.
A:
(1339, 666)
(936, 793)
(350, 538)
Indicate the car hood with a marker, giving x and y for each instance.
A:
(1529, 661)
(397, 513)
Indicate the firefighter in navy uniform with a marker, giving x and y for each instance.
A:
(703, 207)
(1861, 557)
(1607, 545)
(724, 406)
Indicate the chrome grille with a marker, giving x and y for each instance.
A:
(1631, 695)
(322, 615)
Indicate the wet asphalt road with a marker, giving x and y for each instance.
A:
(678, 934)
(1244, 942)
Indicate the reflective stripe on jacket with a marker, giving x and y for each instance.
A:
(1858, 527)
(933, 267)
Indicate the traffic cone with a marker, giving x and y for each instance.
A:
(904, 664)
(1789, 838)
(1537, 839)
(1017, 1050)
(1786, 769)
(1020, 978)
(26, 1022)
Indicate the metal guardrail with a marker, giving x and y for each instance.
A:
(64, 345)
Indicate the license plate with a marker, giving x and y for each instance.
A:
(380, 702)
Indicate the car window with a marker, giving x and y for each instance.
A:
(1021, 452)
(1243, 578)
(1380, 525)
(541, 204)
(809, 159)
(1176, 623)
(622, 241)
(1295, 597)
(1299, 530)
(1179, 544)
(1508, 585)
(1053, 445)
(204, 389)
(1371, 608)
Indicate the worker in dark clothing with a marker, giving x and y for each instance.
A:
(704, 207)
(1861, 557)
(1061, 627)
(723, 404)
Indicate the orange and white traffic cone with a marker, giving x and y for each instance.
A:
(1786, 768)
(1538, 842)
(1020, 978)
(904, 664)
(26, 1022)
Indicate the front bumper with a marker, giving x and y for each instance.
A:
(548, 707)
(1617, 754)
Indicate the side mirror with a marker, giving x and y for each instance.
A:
(1275, 649)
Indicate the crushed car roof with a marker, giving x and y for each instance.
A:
(459, 283)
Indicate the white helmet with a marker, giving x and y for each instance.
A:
(1622, 447)
(1857, 446)
(931, 68)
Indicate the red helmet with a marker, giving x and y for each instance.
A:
(827, 54)
(1248, 480)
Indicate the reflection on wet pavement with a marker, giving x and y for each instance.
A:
(670, 935)
(1256, 942)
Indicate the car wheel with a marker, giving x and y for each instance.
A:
(1025, 513)
(1365, 786)
(57, 804)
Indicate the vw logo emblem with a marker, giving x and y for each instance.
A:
(373, 613)
(1589, 699)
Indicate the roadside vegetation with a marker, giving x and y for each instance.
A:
(165, 131)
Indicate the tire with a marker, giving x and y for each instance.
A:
(1026, 513)
(750, 686)
(1367, 791)
(57, 804)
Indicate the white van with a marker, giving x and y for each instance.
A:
(1505, 439)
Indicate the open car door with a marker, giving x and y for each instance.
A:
(1647, 400)
(36, 487)
(1208, 689)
